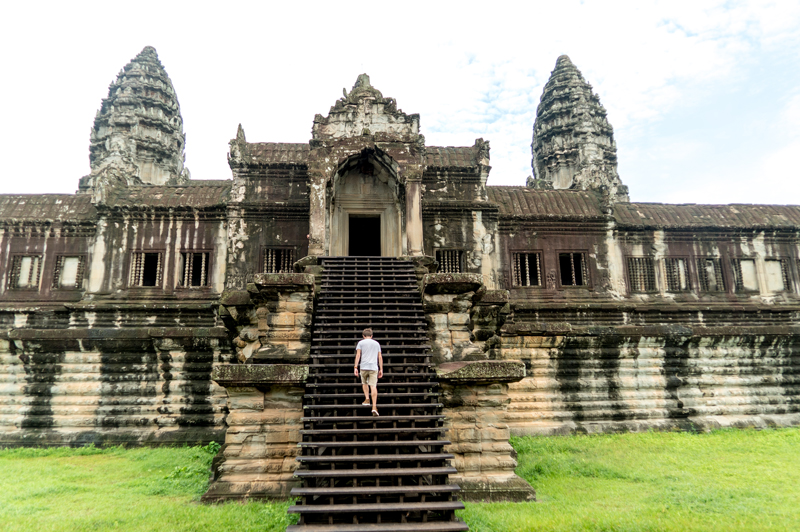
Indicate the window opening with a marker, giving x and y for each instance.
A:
(145, 269)
(709, 273)
(194, 269)
(25, 271)
(68, 273)
(573, 269)
(744, 275)
(527, 269)
(278, 260)
(641, 274)
(677, 275)
(449, 260)
(777, 272)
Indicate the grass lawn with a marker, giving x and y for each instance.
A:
(727, 480)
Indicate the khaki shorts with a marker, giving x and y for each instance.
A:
(369, 377)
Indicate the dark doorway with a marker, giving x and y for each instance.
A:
(365, 235)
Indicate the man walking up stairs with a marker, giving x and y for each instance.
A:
(361, 472)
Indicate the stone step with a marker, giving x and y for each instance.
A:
(375, 472)
(373, 490)
(393, 444)
(443, 526)
(376, 458)
(379, 507)
(350, 419)
(364, 432)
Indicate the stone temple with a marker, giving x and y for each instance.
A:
(150, 308)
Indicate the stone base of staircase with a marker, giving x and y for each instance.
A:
(258, 460)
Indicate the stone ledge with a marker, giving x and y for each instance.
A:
(233, 298)
(490, 489)
(243, 375)
(566, 329)
(111, 333)
(451, 283)
(493, 297)
(481, 371)
(274, 280)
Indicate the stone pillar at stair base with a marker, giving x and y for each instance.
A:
(265, 403)
(476, 399)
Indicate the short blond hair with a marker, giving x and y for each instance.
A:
(367, 332)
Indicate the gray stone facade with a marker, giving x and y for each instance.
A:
(118, 302)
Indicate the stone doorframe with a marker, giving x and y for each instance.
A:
(406, 161)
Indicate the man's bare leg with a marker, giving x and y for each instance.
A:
(366, 393)
(374, 397)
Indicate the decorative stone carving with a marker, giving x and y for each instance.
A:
(573, 143)
(137, 136)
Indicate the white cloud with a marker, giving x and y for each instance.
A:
(470, 70)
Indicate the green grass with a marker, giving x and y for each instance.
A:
(727, 480)
(142, 489)
(724, 480)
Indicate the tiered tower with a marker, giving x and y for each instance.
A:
(573, 143)
(137, 137)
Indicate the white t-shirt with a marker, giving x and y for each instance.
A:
(369, 353)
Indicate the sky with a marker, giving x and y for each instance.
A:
(704, 96)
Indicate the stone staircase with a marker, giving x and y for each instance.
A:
(362, 473)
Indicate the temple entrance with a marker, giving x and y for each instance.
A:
(366, 208)
(365, 235)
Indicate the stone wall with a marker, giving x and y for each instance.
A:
(664, 377)
(101, 385)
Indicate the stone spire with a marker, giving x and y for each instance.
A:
(137, 135)
(573, 143)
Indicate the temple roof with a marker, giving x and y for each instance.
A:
(451, 156)
(657, 215)
(194, 194)
(278, 152)
(297, 153)
(527, 202)
(46, 208)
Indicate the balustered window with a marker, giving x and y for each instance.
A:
(278, 260)
(25, 272)
(69, 272)
(709, 275)
(677, 275)
(527, 269)
(449, 260)
(194, 269)
(573, 269)
(641, 274)
(745, 278)
(146, 268)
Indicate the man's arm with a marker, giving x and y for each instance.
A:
(358, 357)
(380, 365)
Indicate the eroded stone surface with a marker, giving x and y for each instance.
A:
(137, 135)
(573, 143)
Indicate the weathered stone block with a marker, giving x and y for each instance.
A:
(457, 319)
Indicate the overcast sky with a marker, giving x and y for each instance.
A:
(704, 96)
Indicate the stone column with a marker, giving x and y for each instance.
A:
(414, 217)
(316, 221)
(476, 400)
(265, 403)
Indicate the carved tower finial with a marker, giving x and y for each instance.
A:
(138, 132)
(573, 143)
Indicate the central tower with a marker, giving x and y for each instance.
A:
(365, 169)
